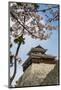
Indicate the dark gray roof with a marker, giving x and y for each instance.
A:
(42, 56)
(26, 61)
(37, 49)
(36, 56)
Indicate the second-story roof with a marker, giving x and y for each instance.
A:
(38, 49)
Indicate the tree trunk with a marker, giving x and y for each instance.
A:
(15, 61)
(15, 64)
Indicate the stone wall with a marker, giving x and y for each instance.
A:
(36, 74)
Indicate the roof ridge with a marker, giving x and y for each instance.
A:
(39, 47)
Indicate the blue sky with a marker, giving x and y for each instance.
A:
(51, 44)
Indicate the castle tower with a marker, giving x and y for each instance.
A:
(38, 55)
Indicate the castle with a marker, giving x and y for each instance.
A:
(39, 69)
(38, 55)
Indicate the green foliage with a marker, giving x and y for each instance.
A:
(36, 5)
(19, 4)
(20, 39)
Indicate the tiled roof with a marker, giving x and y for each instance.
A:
(37, 49)
(39, 55)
